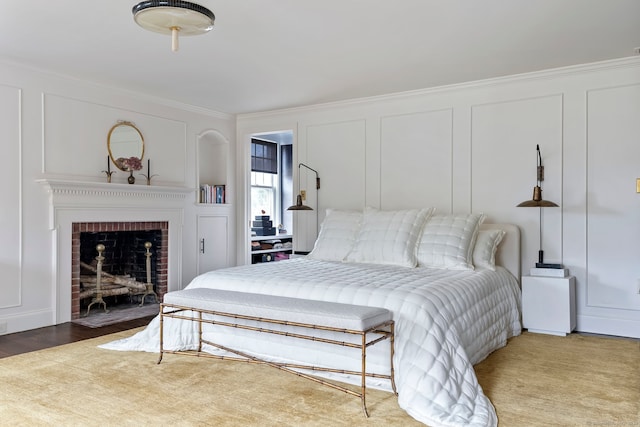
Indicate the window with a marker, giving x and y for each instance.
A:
(263, 194)
(264, 179)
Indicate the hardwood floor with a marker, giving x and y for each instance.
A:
(51, 336)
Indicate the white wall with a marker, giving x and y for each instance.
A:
(465, 148)
(472, 147)
(52, 126)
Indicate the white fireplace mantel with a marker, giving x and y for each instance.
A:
(69, 192)
(74, 201)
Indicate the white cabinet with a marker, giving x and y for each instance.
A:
(213, 241)
(549, 304)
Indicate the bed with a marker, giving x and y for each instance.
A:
(450, 281)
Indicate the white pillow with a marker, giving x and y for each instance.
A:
(447, 241)
(484, 251)
(337, 235)
(389, 237)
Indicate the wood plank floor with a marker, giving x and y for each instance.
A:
(65, 333)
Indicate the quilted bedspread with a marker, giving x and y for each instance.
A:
(446, 321)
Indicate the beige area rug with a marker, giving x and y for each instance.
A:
(537, 380)
(544, 380)
(82, 385)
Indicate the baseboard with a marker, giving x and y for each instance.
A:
(26, 321)
(607, 326)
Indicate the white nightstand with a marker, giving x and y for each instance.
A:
(549, 304)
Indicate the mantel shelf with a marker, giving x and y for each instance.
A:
(64, 187)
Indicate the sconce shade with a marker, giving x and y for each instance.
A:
(537, 201)
(299, 206)
(173, 17)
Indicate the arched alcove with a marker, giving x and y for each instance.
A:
(213, 164)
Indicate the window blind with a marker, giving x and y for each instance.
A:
(264, 156)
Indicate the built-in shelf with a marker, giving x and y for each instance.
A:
(213, 166)
(271, 237)
(256, 255)
(214, 205)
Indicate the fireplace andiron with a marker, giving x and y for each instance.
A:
(149, 290)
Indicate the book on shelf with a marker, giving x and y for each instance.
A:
(212, 194)
(549, 272)
(220, 195)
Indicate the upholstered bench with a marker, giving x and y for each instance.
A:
(224, 308)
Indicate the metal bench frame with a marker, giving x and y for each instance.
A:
(380, 332)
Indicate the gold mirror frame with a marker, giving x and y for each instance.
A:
(124, 141)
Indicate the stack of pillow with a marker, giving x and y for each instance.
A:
(408, 238)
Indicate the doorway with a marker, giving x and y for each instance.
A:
(271, 192)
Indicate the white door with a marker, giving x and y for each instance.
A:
(213, 243)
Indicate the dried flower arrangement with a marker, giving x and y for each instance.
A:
(130, 164)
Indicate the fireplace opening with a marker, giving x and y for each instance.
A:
(124, 253)
(131, 258)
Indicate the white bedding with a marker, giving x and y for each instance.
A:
(446, 321)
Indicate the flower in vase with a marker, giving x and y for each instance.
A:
(131, 163)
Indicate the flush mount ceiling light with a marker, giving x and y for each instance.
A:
(173, 17)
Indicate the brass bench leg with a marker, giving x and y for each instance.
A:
(363, 389)
(161, 332)
(391, 341)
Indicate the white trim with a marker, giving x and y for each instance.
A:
(475, 84)
(608, 326)
(127, 92)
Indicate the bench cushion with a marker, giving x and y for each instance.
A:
(323, 313)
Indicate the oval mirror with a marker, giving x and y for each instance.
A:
(124, 141)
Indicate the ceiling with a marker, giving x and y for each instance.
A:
(272, 54)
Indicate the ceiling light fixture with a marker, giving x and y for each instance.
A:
(173, 17)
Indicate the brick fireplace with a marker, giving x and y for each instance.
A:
(105, 228)
(76, 205)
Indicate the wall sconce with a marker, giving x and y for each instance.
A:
(538, 202)
(299, 206)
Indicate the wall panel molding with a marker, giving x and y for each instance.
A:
(503, 162)
(613, 150)
(11, 250)
(428, 136)
(81, 127)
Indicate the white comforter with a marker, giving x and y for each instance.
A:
(446, 321)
